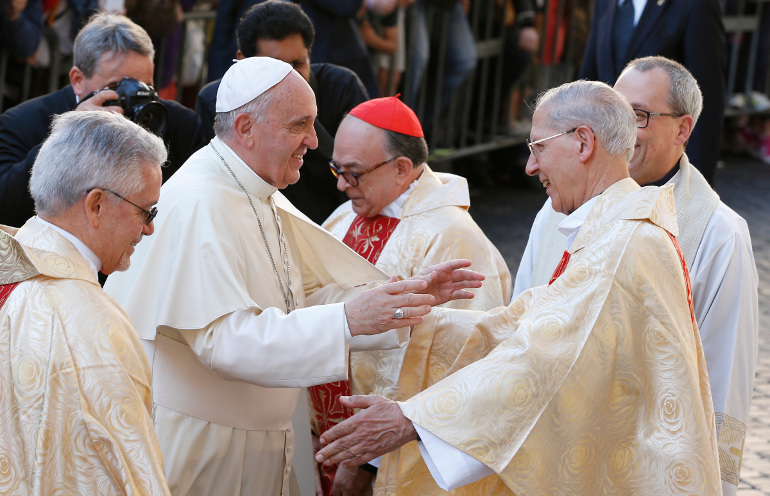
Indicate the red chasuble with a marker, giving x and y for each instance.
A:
(367, 237)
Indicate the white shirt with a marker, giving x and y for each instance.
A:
(639, 6)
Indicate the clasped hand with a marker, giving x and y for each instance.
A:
(374, 311)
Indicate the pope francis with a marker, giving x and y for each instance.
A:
(230, 297)
(75, 396)
(593, 384)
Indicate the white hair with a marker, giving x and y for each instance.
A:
(257, 108)
(597, 106)
(91, 149)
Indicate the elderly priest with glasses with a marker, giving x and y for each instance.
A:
(402, 217)
(234, 298)
(592, 384)
(75, 398)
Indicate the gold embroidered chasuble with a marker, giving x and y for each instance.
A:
(75, 393)
(594, 385)
(435, 226)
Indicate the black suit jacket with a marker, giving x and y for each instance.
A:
(337, 91)
(24, 128)
(688, 31)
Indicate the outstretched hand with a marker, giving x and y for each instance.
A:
(370, 433)
(375, 310)
(448, 281)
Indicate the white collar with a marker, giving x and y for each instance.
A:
(93, 261)
(254, 184)
(570, 226)
(395, 208)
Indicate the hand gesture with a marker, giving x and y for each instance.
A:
(447, 281)
(372, 432)
(389, 306)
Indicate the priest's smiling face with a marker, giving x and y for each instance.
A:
(555, 163)
(127, 223)
(358, 146)
(659, 145)
(284, 136)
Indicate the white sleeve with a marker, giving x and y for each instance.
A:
(272, 349)
(523, 279)
(449, 466)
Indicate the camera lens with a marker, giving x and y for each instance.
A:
(152, 116)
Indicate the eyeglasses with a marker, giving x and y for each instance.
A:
(531, 144)
(643, 117)
(352, 177)
(149, 215)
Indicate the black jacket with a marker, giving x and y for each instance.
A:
(688, 31)
(24, 128)
(337, 90)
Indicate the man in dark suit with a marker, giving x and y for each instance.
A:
(282, 31)
(688, 31)
(106, 50)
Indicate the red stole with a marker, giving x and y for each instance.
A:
(565, 260)
(367, 237)
(5, 292)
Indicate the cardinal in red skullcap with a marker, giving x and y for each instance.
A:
(402, 217)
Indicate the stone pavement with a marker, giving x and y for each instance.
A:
(506, 214)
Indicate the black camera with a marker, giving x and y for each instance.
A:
(140, 103)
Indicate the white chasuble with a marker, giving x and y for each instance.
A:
(595, 384)
(75, 394)
(228, 361)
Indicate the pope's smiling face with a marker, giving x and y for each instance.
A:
(287, 132)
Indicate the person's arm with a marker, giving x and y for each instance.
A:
(183, 136)
(523, 279)
(383, 44)
(588, 69)
(22, 26)
(705, 56)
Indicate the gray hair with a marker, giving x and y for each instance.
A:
(108, 33)
(91, 149)
(684, 95)
(257, 108)
(411, 147)
(597, 106)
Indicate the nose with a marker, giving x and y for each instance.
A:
(311, 140)
(532, 168)
(342, 184)
(148, 229)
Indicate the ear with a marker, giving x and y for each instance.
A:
(77, 80)
(94, 207)
(587, 143)
(404, 168)
(239, 55)
(685, 129)
(243, 128)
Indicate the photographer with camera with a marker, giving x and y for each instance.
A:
(112, 71)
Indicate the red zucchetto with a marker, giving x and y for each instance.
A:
(389, 113)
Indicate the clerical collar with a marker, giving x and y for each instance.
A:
(665, 179)
(570, 226)
(255, 185)
(93, 261)
(395, 208)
